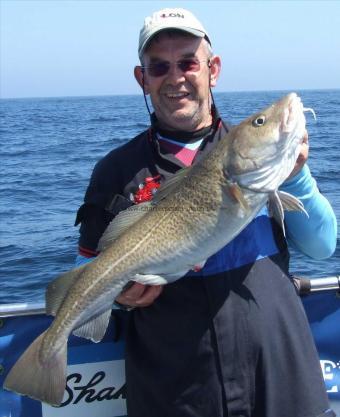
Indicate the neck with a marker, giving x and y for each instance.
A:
(202, 130)
(184, 136)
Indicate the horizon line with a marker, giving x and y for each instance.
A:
(141, 94)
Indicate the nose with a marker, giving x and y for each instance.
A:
(175, 75)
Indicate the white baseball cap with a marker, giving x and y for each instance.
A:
(179, 19)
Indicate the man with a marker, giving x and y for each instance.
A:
(231, 339)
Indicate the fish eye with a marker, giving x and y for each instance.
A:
(259, 121)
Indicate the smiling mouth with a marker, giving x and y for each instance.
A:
(176, 95)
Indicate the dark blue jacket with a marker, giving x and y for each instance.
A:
(235, 343)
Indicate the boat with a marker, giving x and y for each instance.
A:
(95, 372)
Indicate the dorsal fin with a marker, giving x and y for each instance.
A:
(122, 222)
(132, 215)
(170, 185)
(58, 288)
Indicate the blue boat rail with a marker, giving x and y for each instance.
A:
(21, 309)
(304, 286)
(307, 286)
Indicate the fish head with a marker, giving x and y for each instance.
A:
(264, 147)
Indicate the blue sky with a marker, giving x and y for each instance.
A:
(77, 48)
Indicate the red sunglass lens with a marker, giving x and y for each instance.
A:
(161, 68)
(158, 70)
(189, 66)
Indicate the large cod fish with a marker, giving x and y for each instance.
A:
(192, 216)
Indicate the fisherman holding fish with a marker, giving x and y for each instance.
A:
(230, 339)
(228, 335)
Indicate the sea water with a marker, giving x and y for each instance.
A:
(49, 147)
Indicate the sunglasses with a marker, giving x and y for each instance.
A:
(185, 65)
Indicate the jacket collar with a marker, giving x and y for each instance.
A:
(183, 136)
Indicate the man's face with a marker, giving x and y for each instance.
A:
(181, 100)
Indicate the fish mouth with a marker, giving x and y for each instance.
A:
(294, 113)
(292, 127)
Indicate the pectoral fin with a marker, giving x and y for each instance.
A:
(235, 192)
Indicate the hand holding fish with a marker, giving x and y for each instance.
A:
(303, 156)
(139, 295)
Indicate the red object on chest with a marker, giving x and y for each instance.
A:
(147, 189)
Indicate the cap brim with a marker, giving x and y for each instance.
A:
(194, 32)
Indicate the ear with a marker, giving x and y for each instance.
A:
(215, 70)
(141, 79)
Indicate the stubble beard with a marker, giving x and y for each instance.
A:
(185, 119)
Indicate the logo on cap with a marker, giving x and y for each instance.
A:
(164, 15)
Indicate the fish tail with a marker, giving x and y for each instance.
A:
(42, 380)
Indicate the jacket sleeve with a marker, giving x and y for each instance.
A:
(103, 201)
(93, 216)
(315, 235)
